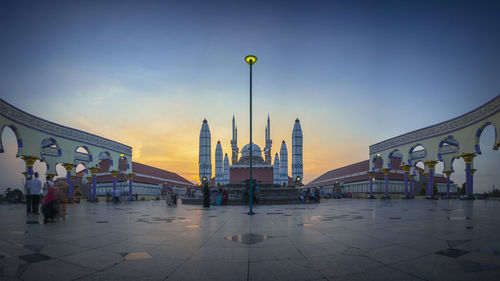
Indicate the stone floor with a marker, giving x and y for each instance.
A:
(335, 240)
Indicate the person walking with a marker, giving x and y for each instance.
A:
(35, 189)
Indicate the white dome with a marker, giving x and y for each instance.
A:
(256, 151)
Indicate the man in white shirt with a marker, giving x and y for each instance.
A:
(35, 189)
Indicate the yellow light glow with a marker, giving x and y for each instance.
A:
(122, 155)
(251, 59)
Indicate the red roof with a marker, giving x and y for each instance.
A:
(142, 172)
(263, 175)
(357, 172)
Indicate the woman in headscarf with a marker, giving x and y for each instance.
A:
(49, 205)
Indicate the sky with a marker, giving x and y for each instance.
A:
(146, 73)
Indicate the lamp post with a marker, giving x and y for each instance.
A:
(251, 60)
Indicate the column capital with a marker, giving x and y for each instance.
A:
(29, 160)
(447, 173)
(430, 164)
(114, 173)
(411, 177)
(386, 171)
(73, 178)
(468, 157)
(472, 171)
(426, 174)
(94, 170)
(25, 174)
(130, 176)
(405, 168)
(68, 166)
(89, 179)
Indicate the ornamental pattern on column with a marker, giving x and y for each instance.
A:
(130, 183)
(370, 178)
(406, 169)
(114, 174)
(468, 157)
(411, 178)
(426, 174)
(431, 165)
(89, 188)
(30, 161)
(93, 172)
(386, 178)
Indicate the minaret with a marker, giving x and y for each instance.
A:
(297, 164)
(283, 164)
(276, 169)
(219, 168)
(205, 160)
(269, 142)
(234, 144)
(226, 170)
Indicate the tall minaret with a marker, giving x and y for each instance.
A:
(226, 170)
(234, 144)
(205, 154)
(283, 164)
(297, 166)
(219, 168)
(276, 169)
(269, 142)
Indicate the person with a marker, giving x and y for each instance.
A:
(62, 198)
(174, 199)
(218, 198)
(225, 196)
(116, 196)
(27, 187)
(168, 197)
(49, 205)
(35, 189)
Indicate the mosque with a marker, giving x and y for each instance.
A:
(264, 171)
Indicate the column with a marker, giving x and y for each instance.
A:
(468, 157)
(30, 161)
(89, 186)
(370, 178)
(427, 192)
(431, 165)
(472, 171)
(386, 179)
(69, 167)
(411, 185)
(114, 174)
(93, 172)
(130, 183)
(406, 169)
(448, 175)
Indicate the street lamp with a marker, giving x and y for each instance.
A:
(251, 60)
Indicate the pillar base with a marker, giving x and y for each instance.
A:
(385, 197)
(372, 197)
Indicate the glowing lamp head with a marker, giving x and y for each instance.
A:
(251, 59)
(298, 178)
(204, 179)
(122, 156)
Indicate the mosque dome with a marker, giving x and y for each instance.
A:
(256, 151)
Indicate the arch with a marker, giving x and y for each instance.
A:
(377, 161)
(448, 146)
(105, 160)
(395, 154)
(82, 154)
(50, 147)
(16, 133)
(416, 152)
(478, 136)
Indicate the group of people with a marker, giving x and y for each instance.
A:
(170, 198)
(219, 196)
(309, 195)
(52, 198)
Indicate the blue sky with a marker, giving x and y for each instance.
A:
(146, 73)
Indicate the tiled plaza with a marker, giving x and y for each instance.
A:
(334, 240)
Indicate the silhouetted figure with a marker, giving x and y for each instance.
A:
(206, 196)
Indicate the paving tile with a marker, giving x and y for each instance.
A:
(54, 270)
(94, 259)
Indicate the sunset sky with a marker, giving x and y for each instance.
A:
(146, 73)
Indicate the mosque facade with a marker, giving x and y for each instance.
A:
(265, 171)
